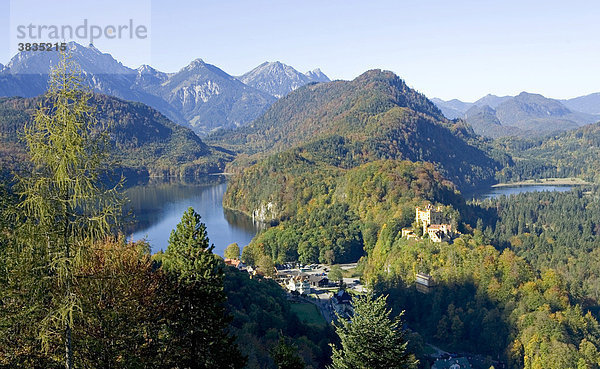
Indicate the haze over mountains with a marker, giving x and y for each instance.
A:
(526, 114)
(200, 95)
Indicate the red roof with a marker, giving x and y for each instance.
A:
(232, 262)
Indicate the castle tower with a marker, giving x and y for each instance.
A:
(429, 216)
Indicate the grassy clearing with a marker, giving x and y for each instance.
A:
(308, 313)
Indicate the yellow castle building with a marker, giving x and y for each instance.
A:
(433, 223)
(429, 216)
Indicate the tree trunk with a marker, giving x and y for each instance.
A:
(68, 349)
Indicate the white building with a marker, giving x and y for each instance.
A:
(299, 284)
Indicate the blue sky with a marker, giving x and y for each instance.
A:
(447, 49)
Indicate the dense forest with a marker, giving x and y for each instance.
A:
(332, 216)
(144, 142)
(574, 153)
(552, 230)
(486, 300)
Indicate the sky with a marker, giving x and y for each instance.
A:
(447, 49)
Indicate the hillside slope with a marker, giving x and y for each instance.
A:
(574, 153)
(144, 140)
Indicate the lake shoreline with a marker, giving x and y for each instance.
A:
(571, 181)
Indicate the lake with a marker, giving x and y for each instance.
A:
(157, 208)
(494, 192)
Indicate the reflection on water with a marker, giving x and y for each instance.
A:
(494, 192)
(158, 207)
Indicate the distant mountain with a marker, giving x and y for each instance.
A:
(279, 79)
(209, 98)
(525, 115)
(485, 122)
(316, 75)
(27, 75)
(492, 100)
(452, 109)
(589, 104)
(147, 77)
(200, 95)
(144, 141)
(375, 116)
(535, 112)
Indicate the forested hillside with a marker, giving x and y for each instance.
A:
(488, 301)
(333, 216)
(552, 230)
(570, 154)
(376, 116)
(144, 141)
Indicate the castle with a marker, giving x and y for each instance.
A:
(432, 220)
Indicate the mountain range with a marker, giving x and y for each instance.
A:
(344, 124)
(525, 115)
(200, 96)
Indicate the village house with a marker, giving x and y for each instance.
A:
(236, 263)
(342, 303)
(300, 284)
(318, 281)
(452, 363)
(283, 276)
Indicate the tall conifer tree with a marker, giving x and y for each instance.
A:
(370, 339)
(65, 206)
(200, 330)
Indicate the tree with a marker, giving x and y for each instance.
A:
(200, 331)
(123, 295)
(286, 356)
(232, 251)
(335, 274)
(370, 339)
(65, 207)
(266, 266)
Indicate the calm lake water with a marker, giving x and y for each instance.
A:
(493, 192)
(157, 208)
